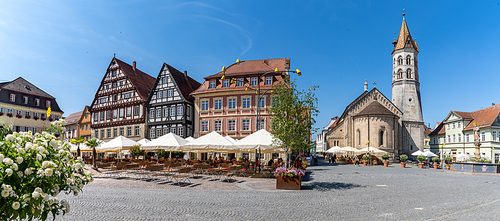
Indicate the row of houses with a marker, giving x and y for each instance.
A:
(131, 103)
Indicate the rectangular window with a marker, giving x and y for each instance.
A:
(262, 102)
(212, 85)
(164, 93)
(121, 131)
(82, 127)
(239, 82)
(136, 111)
(453, 125)
(172, 130)
(165, 131)
(170, 93)
(269, 80)
(108, 115)
(158, 132)
(158, 95)
(454, 141)
(225, 83)
(165, 80)
(449, 139)
(459, 138)
(101, 115)
(246, 102)
(12, 97)
(245, 125)
(115, 97)
(115, 114)
(180, 131)
(204, 126)
(218, 125)
(467, 138)
(114, 85)
(232, 103)
(25, 100)
(261, 124)
(172, 111)
(96, 134)
(37, 102)
(47, 104)
(126, 96)
(151, 113)
(152, 133)
(494, 135)
(204, 105)
(158, 113)
(102, 134)
(121, 112)
(218, 104)
(483, 136)
(129, 111)
(113, 73)
(136, 128)
(102, 101)
(165, 112)
(115, 132)
(109, 133)
(434, 140)
(9, 111)
(253, 81)
(231, 125)
(86, 127)
(129, 131)
(458, 124)
(179, 110)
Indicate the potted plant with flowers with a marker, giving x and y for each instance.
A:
(403, 158)
(43, 118)
(9, 114)
(436, 162)
(27, 116)
(289, 179)
(421, 160)
(386, 157)
(35, 117)
(19, 116)
(447, 161)
(366, 159)
(1, 113)
(51, 119)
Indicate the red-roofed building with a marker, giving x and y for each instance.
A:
(72, 125)
(457, 132)
(118, 106)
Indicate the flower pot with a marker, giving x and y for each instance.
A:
(365, 163)
(288, 183)
(403, 164)
(447, 166)
(420, 165)
(436, 165)
(386, 163)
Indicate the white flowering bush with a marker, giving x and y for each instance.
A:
(34, 169)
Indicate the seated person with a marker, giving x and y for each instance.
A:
(271, 162)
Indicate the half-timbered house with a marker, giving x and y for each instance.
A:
(170, 107)
(118, 106)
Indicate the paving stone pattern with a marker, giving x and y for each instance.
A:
(330, 192)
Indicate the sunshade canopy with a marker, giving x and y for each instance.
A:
(170, 141)
(208, 143)
(262, 140)
(118, 144)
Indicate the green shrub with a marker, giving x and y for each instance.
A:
(448, 159)
(421, 158)
(366, 157)
(136, 151)
(403, 158)
(435, 159)
(385, 156)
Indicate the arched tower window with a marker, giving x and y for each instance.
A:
(400, 60)
(381, 138)
(408, 60)
(408, 74)
(400, 74)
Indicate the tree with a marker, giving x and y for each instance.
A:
(34, 169)
(77, 141)
(292, 115)
(93, 143)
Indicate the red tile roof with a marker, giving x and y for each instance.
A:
(375, 108)
(463, 115)
(484, 117)
(142, 81)
(427, 130)
(73, 118)
(440, 129)
(185, 83)
(335, 123)
(404, 38)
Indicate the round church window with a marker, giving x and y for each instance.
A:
(409, 100)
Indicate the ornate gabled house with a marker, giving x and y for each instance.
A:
(170, 107)
(24, 105)
(118, 106)
(372, 120)
(84, 122)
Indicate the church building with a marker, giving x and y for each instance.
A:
(394, 125)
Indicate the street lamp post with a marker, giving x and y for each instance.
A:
(260, 95)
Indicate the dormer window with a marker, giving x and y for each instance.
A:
(47, 104)
(212, 84)
(27, 88)
(12, 97)
(269, 80)
(37, 102)
(225, 83)
(253, 81)
(25, 100)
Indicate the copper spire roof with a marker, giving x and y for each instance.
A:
(404, 38)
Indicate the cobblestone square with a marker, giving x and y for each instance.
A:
(330, 192)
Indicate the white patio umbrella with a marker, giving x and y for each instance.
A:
(230, 139)
(83, 148)
(461, 155)
(372, 150)
(208, 143)
(417, 153)
(189, 139)
(118, 144)
(348, 149)
(335, 149)
(429, 154)
(170, 142)
(143, 141)
(262, 140)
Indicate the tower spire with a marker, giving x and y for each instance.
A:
(404, 38)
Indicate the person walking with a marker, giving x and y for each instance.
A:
(356, 160)
(334, 158)
(329, 159)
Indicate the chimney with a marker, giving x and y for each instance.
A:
(133, 65)
(185, 73)
(366, 86)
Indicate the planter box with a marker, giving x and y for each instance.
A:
(289, 183)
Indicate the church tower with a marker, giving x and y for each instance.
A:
(406, 89)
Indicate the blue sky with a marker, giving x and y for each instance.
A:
(64, 47)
